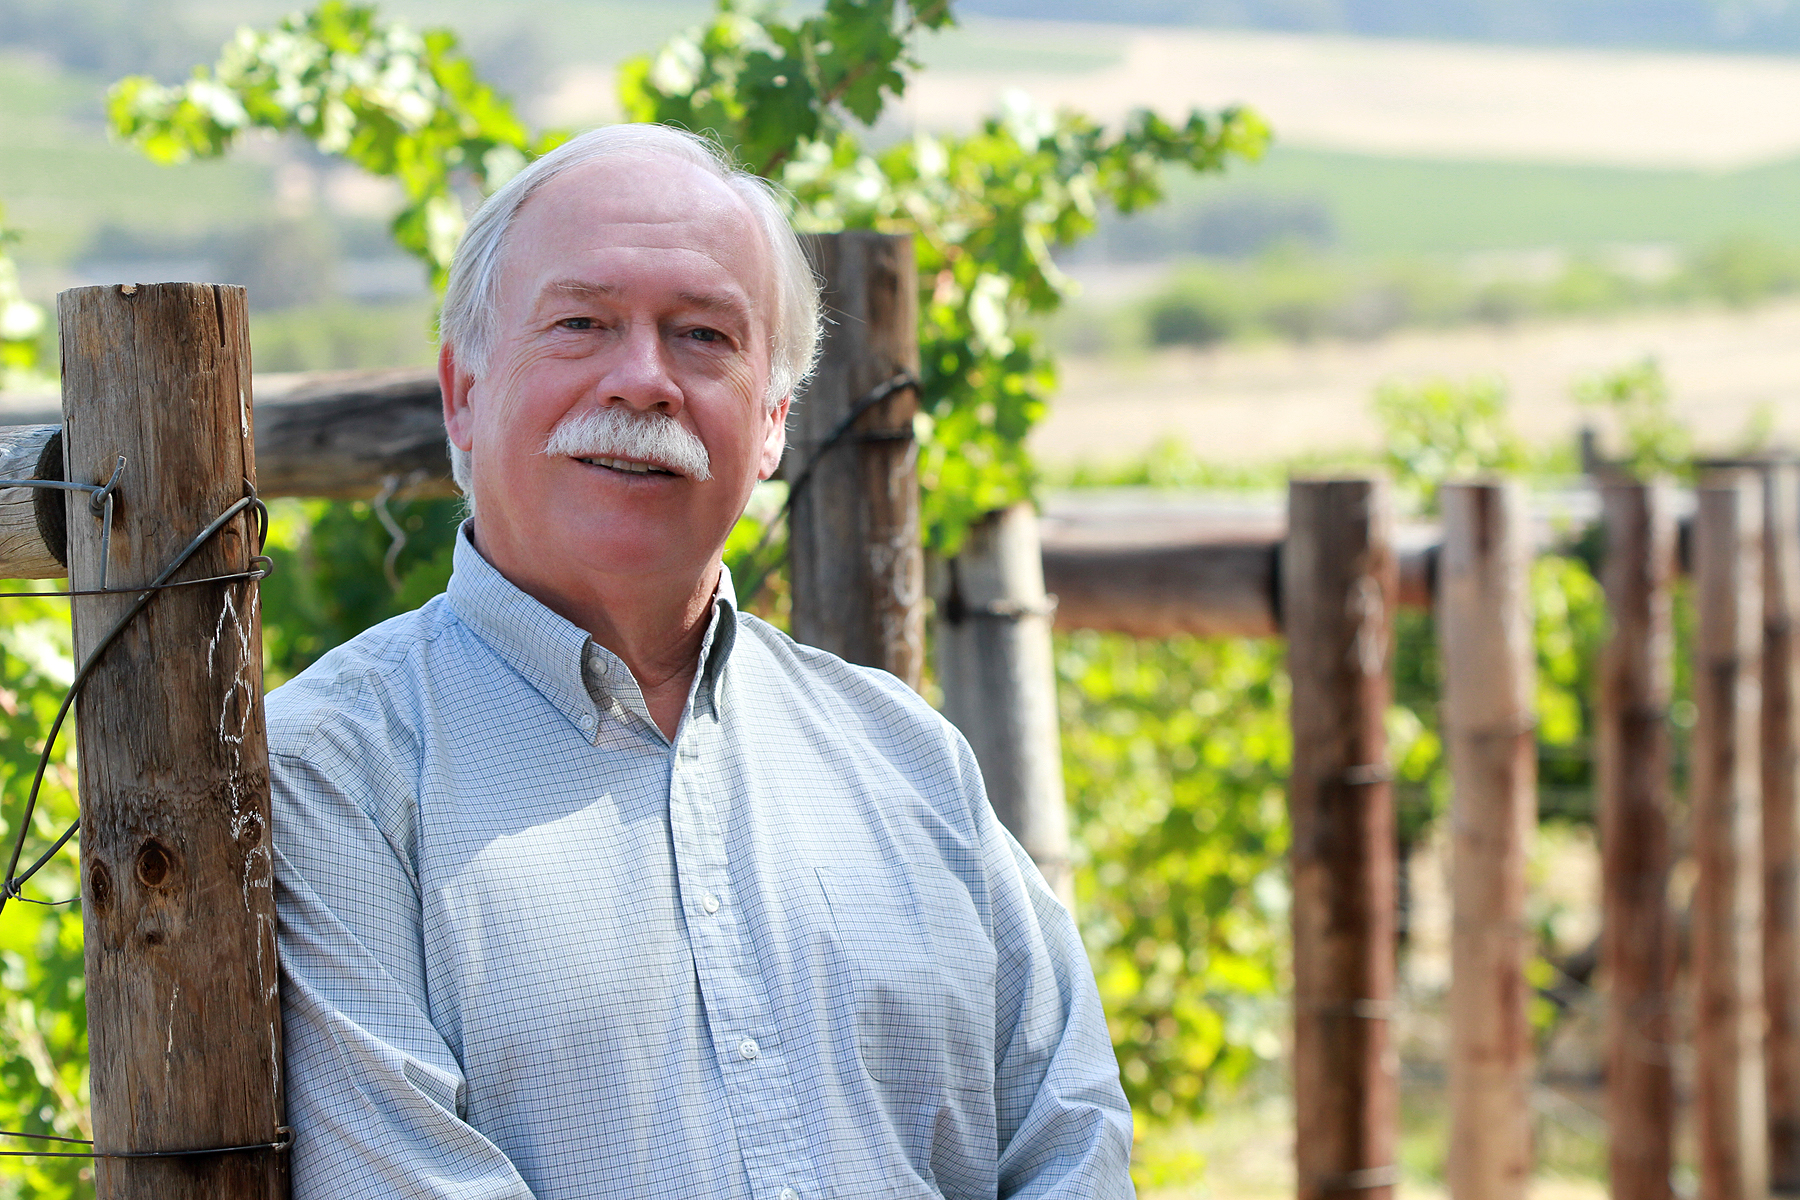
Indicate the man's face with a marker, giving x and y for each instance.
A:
(641, 284)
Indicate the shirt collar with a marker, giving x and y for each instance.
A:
(549, 651)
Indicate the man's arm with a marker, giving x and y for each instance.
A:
(374, 1091)
(1064, 1126)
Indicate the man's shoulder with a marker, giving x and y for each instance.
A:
(869, 714)
(828, 679)
(368, 680)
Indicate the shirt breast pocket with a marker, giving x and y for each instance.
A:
(922, 968)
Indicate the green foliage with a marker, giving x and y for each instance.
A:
(1637, 399)
(1172, 465)
(339, 570)
(43, 1016)
(342, 336)
(764, 88)
(1440, 430)
(1175, 755)
(1742, 269)
(401, 105)
(1569, 630)
(1296, 293)
(21, 322)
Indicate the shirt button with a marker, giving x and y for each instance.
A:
(749, 1049)
(587, 721)
(789, 1194)
(711, 903)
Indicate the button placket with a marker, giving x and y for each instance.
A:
(759, 1088)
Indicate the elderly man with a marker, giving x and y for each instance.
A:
(591, 885)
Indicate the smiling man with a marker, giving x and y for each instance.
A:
(592, 886)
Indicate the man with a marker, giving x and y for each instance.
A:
(592, 886)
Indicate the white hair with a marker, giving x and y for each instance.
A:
(467, 322)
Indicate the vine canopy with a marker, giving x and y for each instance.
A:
(791, 99)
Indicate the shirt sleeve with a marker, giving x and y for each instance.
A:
(375, 1094)
(1064, 1127)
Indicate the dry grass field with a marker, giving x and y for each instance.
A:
(1728, 372)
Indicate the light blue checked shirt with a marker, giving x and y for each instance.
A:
(533, 948)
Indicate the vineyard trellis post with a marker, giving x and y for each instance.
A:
(184, 1018)
(1637, 949)
(1484, 625)
(995, 665)
(1339, 585)
(857, 567)
(1726, 820)
(1781, 817)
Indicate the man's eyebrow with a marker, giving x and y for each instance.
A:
(715, 302)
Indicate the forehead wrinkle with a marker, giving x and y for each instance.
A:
(579, 288)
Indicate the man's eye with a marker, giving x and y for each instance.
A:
(576, 323)
(706, 335)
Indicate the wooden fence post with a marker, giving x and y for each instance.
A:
(26, 454)
(1781, 817)
(853, 535)
(999, 681)
(1637, 950)
(1484, 625)
(184, 1023)
(1338, 585)
(1727, 937)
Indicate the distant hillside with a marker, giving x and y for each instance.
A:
(1771, 26)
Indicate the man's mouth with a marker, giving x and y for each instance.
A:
(629, 466)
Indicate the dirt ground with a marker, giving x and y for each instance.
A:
(1416, 98)
(1727, 371)
(1369, 95)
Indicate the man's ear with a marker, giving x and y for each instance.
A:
(454, 383)
(775, 440)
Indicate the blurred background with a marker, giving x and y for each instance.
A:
(1526, 189)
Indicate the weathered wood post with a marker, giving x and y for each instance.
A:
(853, 534)
(1484, 624)
(1637, 947)
(999, 681)
(184, 1024)
(1338, 596)
(1781, 817)
(1727, 817)
(26, 453)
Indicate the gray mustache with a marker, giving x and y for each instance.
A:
(620, 431)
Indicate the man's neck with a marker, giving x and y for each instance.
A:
(661, 655)
(654, 624)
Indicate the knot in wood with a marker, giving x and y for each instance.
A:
(154, 864)
(100, 888)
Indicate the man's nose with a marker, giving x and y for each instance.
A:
(638, 373)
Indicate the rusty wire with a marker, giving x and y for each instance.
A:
(100, 502)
